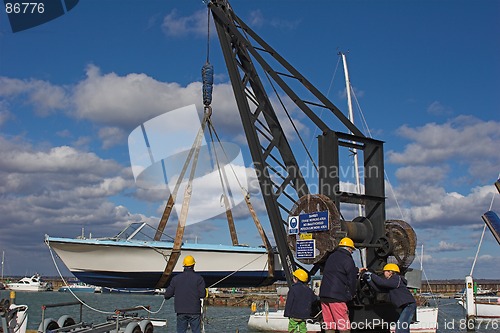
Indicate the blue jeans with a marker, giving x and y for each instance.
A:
(405, 317)
(194, 321)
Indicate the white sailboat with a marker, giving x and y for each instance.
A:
(482, 308)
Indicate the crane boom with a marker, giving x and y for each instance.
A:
(286, 191)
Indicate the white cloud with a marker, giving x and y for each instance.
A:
(445, 246)
(4, 116)
(61, 159)
(44, 188)
(111, 136)
(127, 101)
(428, 206)
(464, 139)
(195, 24)
(256, 18)
(42, 96)
(438, 109)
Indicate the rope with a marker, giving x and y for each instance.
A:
(236, 271)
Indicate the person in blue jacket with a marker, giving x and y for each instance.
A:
(188, 288)
(299, 302)
(399, 295)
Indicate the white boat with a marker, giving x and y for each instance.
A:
(124, 261)
(78, 287)
(274, 321)
(478, 292)
(479, 308)
(33, 283)
(482, 307)
(133, 291)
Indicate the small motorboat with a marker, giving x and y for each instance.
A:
(78, 287)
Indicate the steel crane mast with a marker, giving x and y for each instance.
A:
(248, 59)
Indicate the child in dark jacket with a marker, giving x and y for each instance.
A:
(299, 302)
(400, 296)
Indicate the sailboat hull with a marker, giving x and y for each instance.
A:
(121, 263)
(486, 308)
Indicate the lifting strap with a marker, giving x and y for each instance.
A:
(176, 249)
(255, 218)
(225, 189)
(164, 217)
(263, 236)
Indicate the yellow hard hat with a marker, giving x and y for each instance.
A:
(301, 274)
(188, 261)
(346, 241)
(391, 267)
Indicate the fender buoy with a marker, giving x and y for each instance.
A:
(253, 307)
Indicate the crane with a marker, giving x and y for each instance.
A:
(286, 190)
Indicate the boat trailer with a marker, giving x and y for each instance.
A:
(14, 319)
(123, 321)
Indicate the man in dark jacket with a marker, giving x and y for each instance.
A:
(338, 287)
(400, 296)
(299, 302)
(188, 289)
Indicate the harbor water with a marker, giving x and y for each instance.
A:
(220, 318)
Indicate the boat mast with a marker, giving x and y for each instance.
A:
(351, 118)
(354, 150)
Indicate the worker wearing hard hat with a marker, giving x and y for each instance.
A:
(188, 288)
(299, 302)
(338, 287)
(400, 296)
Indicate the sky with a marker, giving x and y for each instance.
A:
(425, 74)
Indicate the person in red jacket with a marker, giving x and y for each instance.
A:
(338, 287)
(188, 288)
(299, 302)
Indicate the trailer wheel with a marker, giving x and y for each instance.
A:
(146, 326)
(65, 321)
(133, 328)
(48, 324)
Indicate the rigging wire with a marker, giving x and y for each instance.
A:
(367, 130)
(291, 122)
(236, 271)
(330, 87)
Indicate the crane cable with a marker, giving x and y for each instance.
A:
(207, 89)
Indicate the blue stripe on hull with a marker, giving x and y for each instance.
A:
(149, 279)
